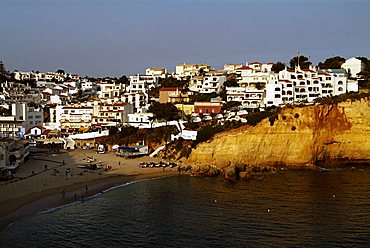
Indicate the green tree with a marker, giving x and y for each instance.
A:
(332, 63)
(164, 111)
(304, 62)
(3, 72)
(122, 80)
(172, 82)
(232, 82)
(278, 66)
(60, 71)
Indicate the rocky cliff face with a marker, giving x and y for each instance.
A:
(300, 137)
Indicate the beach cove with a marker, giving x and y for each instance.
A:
(50, 180)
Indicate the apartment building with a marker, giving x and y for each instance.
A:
(109, 89)
(111, 114)
(206, 84)
(11, 128)
(305, 85)
(248, 97)
(142, 83)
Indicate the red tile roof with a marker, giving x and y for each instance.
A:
(244, 68)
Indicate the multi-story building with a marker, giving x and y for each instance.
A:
(248, 97)
(305, 85)
(188, 70)
(142, 83)
(109, 89)
(173, 95)
(30, 116)
(11, 128)
(139, 100)
(111, 114)
(231, 68)
(254, 75)
(207, 84)
(71, 118)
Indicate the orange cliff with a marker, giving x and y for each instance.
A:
(301, 137)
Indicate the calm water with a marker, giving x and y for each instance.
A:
(301, 208)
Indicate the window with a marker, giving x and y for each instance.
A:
(277, 96)
(277, 89)
(340, 89)
(340, 83)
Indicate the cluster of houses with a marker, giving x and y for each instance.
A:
(57, 107)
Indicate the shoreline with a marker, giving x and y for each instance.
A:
(19, 208)
(50, 180)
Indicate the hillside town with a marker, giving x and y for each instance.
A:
(68, 111)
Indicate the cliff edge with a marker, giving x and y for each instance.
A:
(300, 137)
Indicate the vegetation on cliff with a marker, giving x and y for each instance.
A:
(298, 137)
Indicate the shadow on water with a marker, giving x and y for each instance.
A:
(292, 208)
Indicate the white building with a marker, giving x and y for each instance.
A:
(207, 84)
(254, 75)
(187, 70)
(140, 119)
(353, 66)
(305, 85)
(248, 97)
(156, 72)
(109, 89)
(73, 117)
(111, 114)
(142, 83)
(231, 68)
(29, 115)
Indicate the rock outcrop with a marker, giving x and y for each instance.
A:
(301, 137)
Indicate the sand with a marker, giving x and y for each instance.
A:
(44, 182)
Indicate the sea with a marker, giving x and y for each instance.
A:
(329, 208)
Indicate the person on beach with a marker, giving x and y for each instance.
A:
(46, 166)
(64, 193)
(86, 188)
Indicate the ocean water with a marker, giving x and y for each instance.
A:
(284, 209)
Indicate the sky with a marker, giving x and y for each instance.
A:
(124, 37)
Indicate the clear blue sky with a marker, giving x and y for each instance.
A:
(116, 37)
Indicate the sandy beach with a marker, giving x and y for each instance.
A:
(50, 180)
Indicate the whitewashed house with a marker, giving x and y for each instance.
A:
(159, 72)
(353, 66)
(207, 84)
